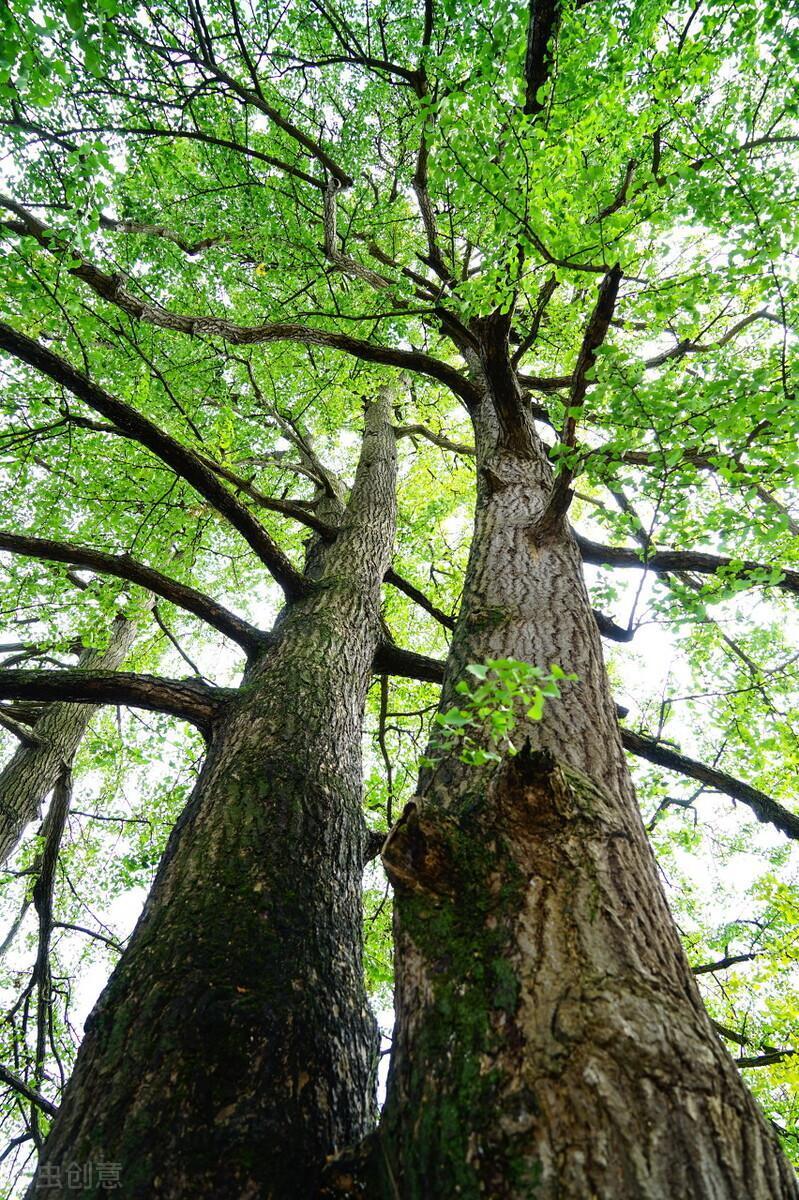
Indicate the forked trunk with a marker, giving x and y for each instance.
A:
(550, 1038)
(234, 1049)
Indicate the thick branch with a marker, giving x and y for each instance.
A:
(414, 593)
(145, 229)
(609, 629)
(393, 660)
(192, 701)
(19, 1085)
(21, 732)
(124, 567)
(375, 841)
(152, 131)
(32, 772)
(723, 964)
(765, 1060)
(258, 100)
(544, 17)
(677, 351)
(412, 431)
(681, 349)
(546, 384)
(770, 1055)
(333, 252)
(766, 809)
(434, 257)
(42, 896)
(285, 508)
(665, 561)
(593, 337)
(112, 289)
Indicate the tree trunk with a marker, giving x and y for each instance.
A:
(550, 1038)
(234, 1049)
(32, 772)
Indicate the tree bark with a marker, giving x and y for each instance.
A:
(233, 1049)
(550, 1038)
(31, 773)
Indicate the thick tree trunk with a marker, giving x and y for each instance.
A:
(32, 771)
(550, 1038)
(234, 1049)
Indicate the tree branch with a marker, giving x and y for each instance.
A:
(723, 964)
(545, 294)
(609, 629)
(764, 807)
(180, 458)
(682, 348)
(593, 337)
(124, 567)
(765, 1060)
(414, 593)
(23, 734)
(411, 431)
(544, 18)
(42, 896)
(195, 135)
(393, 660)
(144, 229)
(665, 561)
(257, 99)
(91, 933)
(198, 703)
(112, 289)
(19, 1085)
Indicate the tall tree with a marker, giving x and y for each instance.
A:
(568, 229)
(550, 1038)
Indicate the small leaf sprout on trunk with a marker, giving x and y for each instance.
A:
(507, 689)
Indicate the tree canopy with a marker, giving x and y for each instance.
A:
(225, 226)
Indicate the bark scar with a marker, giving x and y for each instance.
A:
(416, 855)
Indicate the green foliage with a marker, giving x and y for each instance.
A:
(667, 142)
(480, 728)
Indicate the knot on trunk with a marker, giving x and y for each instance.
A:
(417, 854)
(531, 810)
(350, 1172)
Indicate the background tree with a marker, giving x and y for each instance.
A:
(574, 225)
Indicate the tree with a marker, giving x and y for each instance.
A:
(248, 252)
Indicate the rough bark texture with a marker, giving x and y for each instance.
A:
(550, 1039)
(524, 597)
(234, 1049)
(31, 773)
